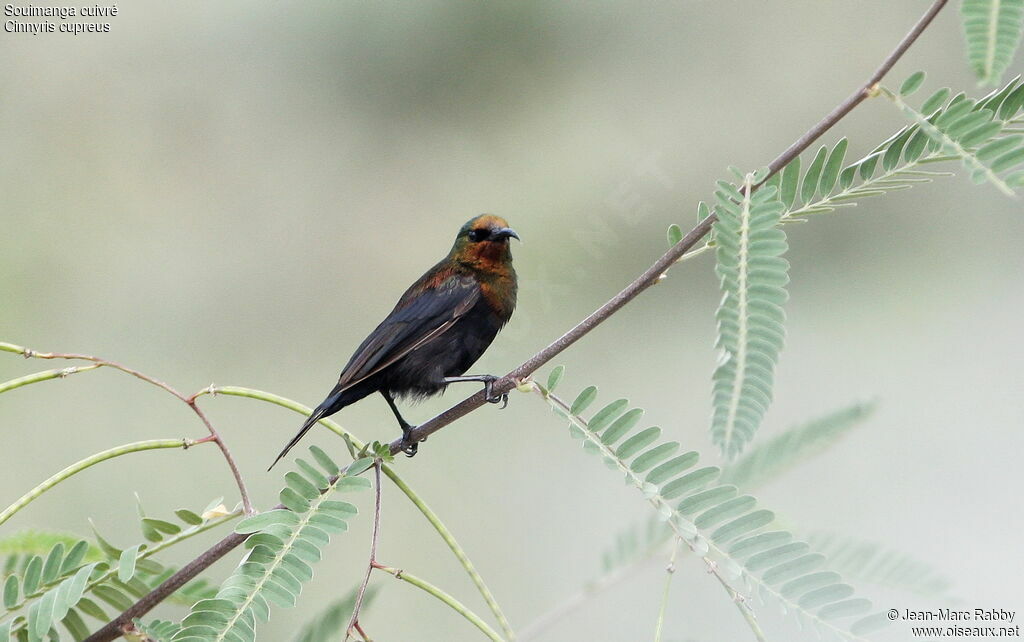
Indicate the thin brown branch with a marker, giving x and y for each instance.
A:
(651, 276)
(654, 273)
(118, 626)
(353, 622)
(362, 633)
(189, 401)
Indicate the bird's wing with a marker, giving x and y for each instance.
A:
(421, 315)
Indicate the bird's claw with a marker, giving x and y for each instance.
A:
(502, 399)
(489, 395)
(408, 446)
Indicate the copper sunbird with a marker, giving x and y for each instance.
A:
(438, 329)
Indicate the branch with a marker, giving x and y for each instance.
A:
(45, 375)
(651, 276)
(92, 460)
(28, 353)
(353, 622)
(670, 571)
(657, 271)
(457, 606)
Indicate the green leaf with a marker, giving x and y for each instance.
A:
(329, 624)
(92, 609)
(75, 625)
(555, 377)
(825, 595)
(188, 517)
(790, 182)
(834, 164)
(583, 400)
(301, 485)
(767, 461)
(637, 442)
(112, 596)
(752, 274)
(324, 460)
(760, 542)
(75, 557)
(957, 121)
(992, 29)
(846, 608)
(311, 473)
(11, 592)
(126, 565)
(359, 466)
(912, 83)
(262, 521)
(33, 574)
(621, 426)
(161, 526)
(935, 101)
(702, 211)
(870, 624)
(689, 482)
(672, 467)
(293, 501)
(810, 184)
(793, 568)
(52, 564)
(868, 561)
(675, 234)
(742, 525)
(653, 456)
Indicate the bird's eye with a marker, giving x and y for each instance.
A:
(477, 235)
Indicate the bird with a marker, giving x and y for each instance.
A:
(439, 328)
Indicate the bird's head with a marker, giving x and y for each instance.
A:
(483, 241)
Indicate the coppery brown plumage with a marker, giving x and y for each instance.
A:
(438, 329)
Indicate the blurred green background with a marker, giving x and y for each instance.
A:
(237, 192)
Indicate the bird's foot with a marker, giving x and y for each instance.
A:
(489, 392)
(408, 446)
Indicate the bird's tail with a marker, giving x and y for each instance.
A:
(321, 411)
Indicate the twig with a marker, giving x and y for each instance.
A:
(354, 620)
(457, 550)
(46, 375)
(654, 273)
(362, 633)
(189, 401)
(457, 606)
(670, 572)
(92, 460)
(741, 604)
(651, 276)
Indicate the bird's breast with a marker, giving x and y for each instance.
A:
(500, 296)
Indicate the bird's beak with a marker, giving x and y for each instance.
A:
(504, 233)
